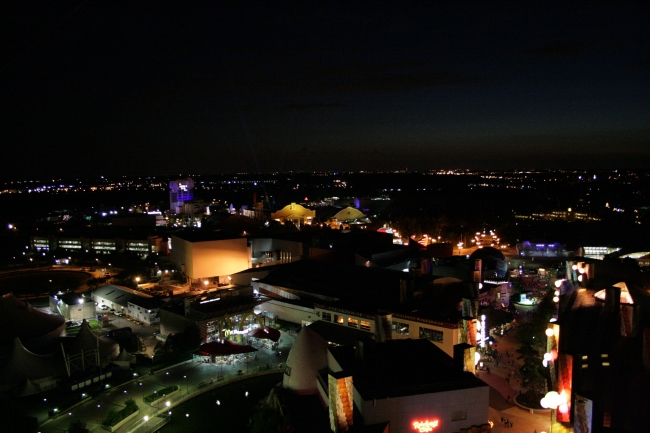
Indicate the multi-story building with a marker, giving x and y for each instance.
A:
(143, 247)
(398, 386)
(180, 191)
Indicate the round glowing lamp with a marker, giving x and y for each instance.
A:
(558, 283)
(556, 299)
(549, 332)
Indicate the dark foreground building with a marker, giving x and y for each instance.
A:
(604, 347)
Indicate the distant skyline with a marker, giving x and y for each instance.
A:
(204, 87)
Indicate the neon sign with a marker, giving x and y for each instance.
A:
(425, 426)
(483, 331)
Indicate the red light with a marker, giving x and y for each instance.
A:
(425, 426)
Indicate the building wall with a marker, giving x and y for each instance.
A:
(368, 325)
(449, 335)
(143, 314)
(291, 250)
(117, 307)
(402, 412)
(210, 258)
(290, 313)
(81, 311)
(171, 323)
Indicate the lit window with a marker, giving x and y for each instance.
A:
(431, 334)
(353, 322)
(365, 325)
(338, 319)
(400, 328)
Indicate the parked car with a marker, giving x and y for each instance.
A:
(104, 307)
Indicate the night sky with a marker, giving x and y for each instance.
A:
(189, 87)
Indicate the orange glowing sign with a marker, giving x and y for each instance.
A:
(425, 426)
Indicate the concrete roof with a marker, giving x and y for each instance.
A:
(116, 295)
(398, 368)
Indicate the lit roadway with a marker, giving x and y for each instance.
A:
(190, 376)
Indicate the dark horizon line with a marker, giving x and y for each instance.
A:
(51, 177)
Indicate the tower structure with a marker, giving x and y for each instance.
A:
(180, 191)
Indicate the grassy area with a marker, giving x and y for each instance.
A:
(94, 324)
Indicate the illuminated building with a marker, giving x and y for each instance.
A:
(295, 214)
(398, 386)
(142, 245)
(369, 300)
(541, 249)
(222, 315)
(72, 306)
(180, 191)
(212, 255)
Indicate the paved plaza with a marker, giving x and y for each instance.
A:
(192, 377)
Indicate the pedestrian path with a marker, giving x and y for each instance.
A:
(503, 391)
(191, 377)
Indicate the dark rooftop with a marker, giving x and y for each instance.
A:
(338, 334)
(403, 367)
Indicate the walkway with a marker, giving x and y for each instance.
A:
(523, 420)
(192, 377)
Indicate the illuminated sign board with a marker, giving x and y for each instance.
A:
(425, 426)
(480, 332)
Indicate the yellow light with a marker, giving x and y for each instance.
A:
(549, 332)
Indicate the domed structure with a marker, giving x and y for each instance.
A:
(294, 213)
(349, 214)
(494, 263)
(307, 356)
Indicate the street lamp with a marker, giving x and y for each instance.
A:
(552, 400)
(146, 422)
